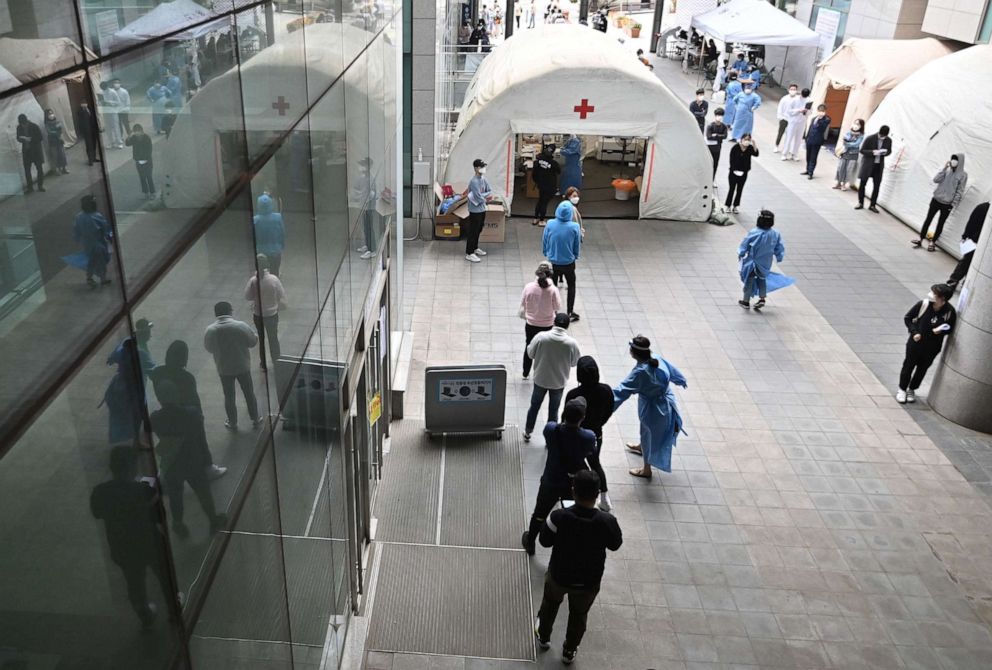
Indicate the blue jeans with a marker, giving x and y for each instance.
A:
(753, 281)
(536, 398)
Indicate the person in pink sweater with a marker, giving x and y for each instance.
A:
(538, 305)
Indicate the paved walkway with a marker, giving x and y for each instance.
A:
(810, 521)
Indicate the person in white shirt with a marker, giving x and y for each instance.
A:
(783, 114)
(124, 110)
(796, 112)
(267, 297)
(554, 353)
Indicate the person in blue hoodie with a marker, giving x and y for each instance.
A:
(562, 242)
(756, 251)
(270, 233)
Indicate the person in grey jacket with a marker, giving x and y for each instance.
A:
(230, 341)
(951, 183)
(554, 353)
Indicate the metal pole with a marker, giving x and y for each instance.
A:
(785, 61)
(509, 17)
(583, 10)
(659, 8)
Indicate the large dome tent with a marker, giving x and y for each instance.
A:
(561, 79)
(940, 110)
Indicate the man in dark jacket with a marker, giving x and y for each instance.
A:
(30, 138)
(141, 152)
(545, 173)
(568, 447)
(699, 107)
(716, 135)
(599, 409)
(873, 152)
(88, 128)
(929, 321)
(579, 537)
(972, 231)
(815, 137)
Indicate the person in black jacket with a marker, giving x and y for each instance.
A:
(815, 137)
(740, 165)
(873, 152)
(545, 174)
(89, 129)
(30, 138)
(972, 231)
(579, 537)
(599, 409)
(141, 152)
(699, 107)
(716, 135)
(569, 447)
(929, 321)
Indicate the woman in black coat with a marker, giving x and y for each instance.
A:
(740, 165)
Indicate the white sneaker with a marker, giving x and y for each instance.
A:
(480, 252)
(216, 471)
(604, 502)
(362, 249)
(785, 157)
(775, 151)
(910, 395)
(901, 397)
(367, 255)
(472, 258)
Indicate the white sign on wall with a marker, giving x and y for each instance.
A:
(827, 23)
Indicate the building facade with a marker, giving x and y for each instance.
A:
(176, 161)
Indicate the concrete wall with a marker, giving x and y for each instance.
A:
(956, 19)
(424, 47)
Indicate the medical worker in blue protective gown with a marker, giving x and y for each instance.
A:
(745, 104)
(657, 410)
(756, 251)
(571, 174)
(734, 89)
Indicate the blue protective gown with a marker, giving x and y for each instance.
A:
(657, 409)
(744, 107)
(734, 89)
(757, 250)
(571, 174)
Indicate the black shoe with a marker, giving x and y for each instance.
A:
(573, 316)
(759, 304)
(805, 174)
(860, 206)
(543, 645)
(528, 543)
(41, 189)
(952, 283)
(873, 208)
(810, 177)
(568, 655)
(916, 243)
(92, 282)
(526, 436)
(744, 303)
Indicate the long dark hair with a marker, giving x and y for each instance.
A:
(640, 349)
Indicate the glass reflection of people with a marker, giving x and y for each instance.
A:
(124, 109)
(183, 457)
(367, 195)
(111, 116)
(125, 395)
(89, 129)
(93, 233)
(141, 153)
(30, 138)
(267, 296)
(127, 508)
(270, 232)
(158, 95)
(56, 145)
(230, 342)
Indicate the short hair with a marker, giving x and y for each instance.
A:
(766, 219)
(793, 85)
(562, 320)
(88, 204)
(223, 308)
(585, 485)
(883, 131)
(943, 290)
(575, 410)
(700, 91)
(805, 92)
(719, 111)
(640, 51)
(138, 128)
(821, 106)
(263, 261)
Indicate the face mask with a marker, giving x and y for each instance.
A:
(856, 129)
(117, 85)
(699, 98)
(931, 297)
(574, 200)
(746, 143)
(748, 90)
(482, 170)
(954, 163)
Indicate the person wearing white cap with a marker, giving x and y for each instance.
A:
(479, 193)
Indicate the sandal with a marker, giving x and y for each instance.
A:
(639, 472)
(634, 448)
(931, 246)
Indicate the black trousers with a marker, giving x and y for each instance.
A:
(547, 498)
(568, 272)
(580, 600)
(125, 119)
(145, 177)
(715, 150)
(174, 481)
(137, 591)
(268, 330)
(919, 358)
(961, 269)
(543, 198)
(529, 333)
(782, 125)
(90, 141)
(473, 228)
(812, 155)
(945, 211)
(28, 160)
(597, 467)
(876, 177)
(736, 189)
(244, 380)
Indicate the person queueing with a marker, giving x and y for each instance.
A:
(230, 342)
(848, 153)
(951, 183)
(658, 412)
(716, 134)
(56, 145)
(755, 253)
(571, 174)
(873, 151)
(579, 537)
(267, 296)
(816, 135)
(88, 128)
(270, 232)
(480, 194)
(29, 137)
(554, 353)
(740, 164)
(568, 445)
(699, 108)
(545, 174)
(561, 245)
(796, 111)
(782, 114)
(599, 409)
(745, 104)
(972, 232)
(539, 303)
(94, 234)
(141, 153)
(929, 321)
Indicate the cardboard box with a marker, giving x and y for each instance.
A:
(450, 217)
(447, 231)
(495, 228)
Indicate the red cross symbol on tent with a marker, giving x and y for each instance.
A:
(584, 108)
(280, 105)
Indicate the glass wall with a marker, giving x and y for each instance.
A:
(188, 243)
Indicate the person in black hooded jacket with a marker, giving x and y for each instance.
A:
(972, 231)
(599, 409)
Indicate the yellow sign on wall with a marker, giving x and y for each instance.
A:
(375, 408)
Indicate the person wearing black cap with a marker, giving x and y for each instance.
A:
(554, 354)
(579, 537)
(545, 175)
(568, 446)
(479, 194)
(599, 409)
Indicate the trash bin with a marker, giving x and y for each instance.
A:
(623, 188)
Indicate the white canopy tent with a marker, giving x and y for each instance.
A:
(33, 59)
(869, 69)
(11, 170)
(569, 79)
(939, 110)
(167, 17)
(754, 22)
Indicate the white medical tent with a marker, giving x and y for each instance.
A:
(167, 17)
(33, 59)
(570, 79)
(869, 69)
(754, 22)
(11, 169)
(942, 109)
